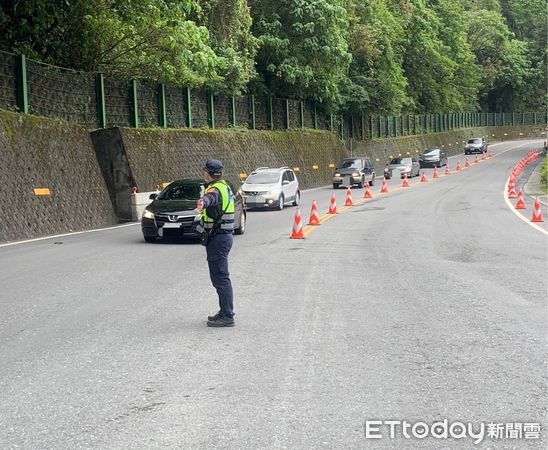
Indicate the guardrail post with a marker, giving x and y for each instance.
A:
(252, 111)
(234, 121)
(162, 105)
(211, 110)
(188, 102)
(315, 117)
(534, 118)
(100, 92)
(21, 84)
(287, 115)
(331, 121)
(513, 119)
(301, 110)
(134, 104)
(371, 126)
(270, 113)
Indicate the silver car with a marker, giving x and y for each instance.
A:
(475, 145)
(354, 171)
(404, 166)
(271, 187)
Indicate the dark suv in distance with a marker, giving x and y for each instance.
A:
(358, 170)
(475, 145)
(173, 211)
(433, 157)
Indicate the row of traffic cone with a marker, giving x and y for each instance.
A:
(315, 220)
(512, 181)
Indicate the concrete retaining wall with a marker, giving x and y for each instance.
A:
(90, 179)
(41, 153)
(146, 157)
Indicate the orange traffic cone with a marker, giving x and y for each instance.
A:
(314, 219)
(367, 193)
(476, 160)
(467, 164)
(521, 203)
(436, 174)
(405, 182)
(458, 169)
(333, 205)
(424, 179)
(537, 213)
(447, 170)
(348, 198)
(512, 192)
(384, 188)
(297, 226)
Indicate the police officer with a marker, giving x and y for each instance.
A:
(217, 208)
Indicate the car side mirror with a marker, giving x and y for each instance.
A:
(152, 196)
(285, 182)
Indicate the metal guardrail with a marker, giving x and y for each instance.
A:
(98, 101)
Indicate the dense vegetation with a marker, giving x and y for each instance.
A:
(377, 56)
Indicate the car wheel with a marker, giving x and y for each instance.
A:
(149, 239)
(335, 186)
(281, 201)
(297, 199)
(241, 228)
(361, 183)
(372, 182)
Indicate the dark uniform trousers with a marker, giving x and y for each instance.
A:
(217, 251)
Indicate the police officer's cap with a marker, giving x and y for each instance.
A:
(214, 167)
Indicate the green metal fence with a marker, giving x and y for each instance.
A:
(99, 101)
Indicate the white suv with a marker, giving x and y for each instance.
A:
(271, 188)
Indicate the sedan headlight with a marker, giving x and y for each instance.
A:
(147, 214)
(355, 174)
(336, 174)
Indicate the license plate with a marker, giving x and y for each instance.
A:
(172, 225)
(254, 199)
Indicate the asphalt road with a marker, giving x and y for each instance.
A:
(424, 304)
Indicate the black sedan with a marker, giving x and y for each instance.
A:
(433, 158)
(173, 211)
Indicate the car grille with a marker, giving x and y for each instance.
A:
(162, 218)
(255, 192)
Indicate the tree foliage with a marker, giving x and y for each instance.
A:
(358, 56)
(303, 47)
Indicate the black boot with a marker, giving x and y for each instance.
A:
(221, 321)
(215, 317)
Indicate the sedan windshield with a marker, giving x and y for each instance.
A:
(181, 192)
(403, 161)
(431, 152)
(474, 141)
(263, 178)
(351, 164)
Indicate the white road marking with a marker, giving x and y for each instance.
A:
(69, 234)
(521, 216)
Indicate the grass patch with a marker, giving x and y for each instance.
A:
(544, 177)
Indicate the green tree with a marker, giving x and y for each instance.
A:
(503, 59)
(466, 80)
(303, 50)
(376, 80)
(427, 64)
